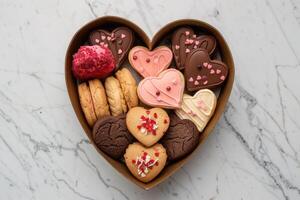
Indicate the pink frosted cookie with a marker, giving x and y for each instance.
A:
(164, 91)
(150, 63)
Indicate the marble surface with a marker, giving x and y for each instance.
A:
(253, 152)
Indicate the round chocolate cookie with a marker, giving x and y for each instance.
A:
(111, 135)
(181, 138)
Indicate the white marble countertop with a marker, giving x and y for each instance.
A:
(252, 154)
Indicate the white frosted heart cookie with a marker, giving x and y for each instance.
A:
(145, 163)
(198, 108)
(147, 126)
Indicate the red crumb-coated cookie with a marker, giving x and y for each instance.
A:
(93, 62)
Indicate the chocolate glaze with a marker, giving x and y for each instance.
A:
(119, 41)
(184, 40)
(201, 72)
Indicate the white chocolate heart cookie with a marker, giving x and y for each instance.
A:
(145, 163)
(147, 126)
(198, 108)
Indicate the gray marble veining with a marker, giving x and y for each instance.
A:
(252, 154)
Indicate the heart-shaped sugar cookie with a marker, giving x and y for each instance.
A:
(184, 41)
(150, 63)
(164, 91)
(147, 126)
(198, 108)
(145, 163)
(201, 72)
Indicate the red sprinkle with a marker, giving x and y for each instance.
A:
(145, 153)
(155, 115)
(157, 93)
(165, 121)
(148, 112)
(156, 163)
(139, 126)
(147, 60)
(156, 154)
(133, 161)
(168, 88)
(134, 57)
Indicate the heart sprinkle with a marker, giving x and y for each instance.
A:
(177, 47)
(191, 79)
(120, 51)
(187, 50)
(196, 83)
(209, 66)
(205, 64)
(222, 78)
(123, 35)
(144, 163)
(97, 40)
(148, 125)
(218, 71)
(212, 71)
(103, 37)
(198, 77)
(187, 33)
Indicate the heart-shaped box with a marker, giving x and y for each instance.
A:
(163, 35)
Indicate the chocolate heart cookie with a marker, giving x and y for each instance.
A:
(119, 41)
(111, 135)
(201, 72)
(181, 138)
(184, 40)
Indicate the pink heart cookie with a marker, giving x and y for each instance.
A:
(164, 91)
(150, 63)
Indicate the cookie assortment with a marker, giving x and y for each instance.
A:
(155, 116)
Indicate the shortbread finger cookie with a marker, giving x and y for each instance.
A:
(145, 163)
(128, 86)
(86, 103)
(99, 98)
(115, 96)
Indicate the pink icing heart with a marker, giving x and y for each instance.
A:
(198, 77)
(160, 92)
(209, 66)
(205, 64)
(218, 71)
(212, 71)
(150, 63)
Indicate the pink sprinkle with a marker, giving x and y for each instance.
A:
(218, 71)
(212, 71)
(187, 33)
(103, 37)
(123, 35)
(191, 41)
(205, 82)
(205, 64)
(101, 43)
(209, 66)
(195, 47)
(187, 41)
(177, 47)
(194, 36)
(197, 42)
(222, 78)
(191, 79)
(108, 38)
(187, 51)
(97, 40)
(106, 45)
(196, 83)
(198, 77)
(120, 51)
